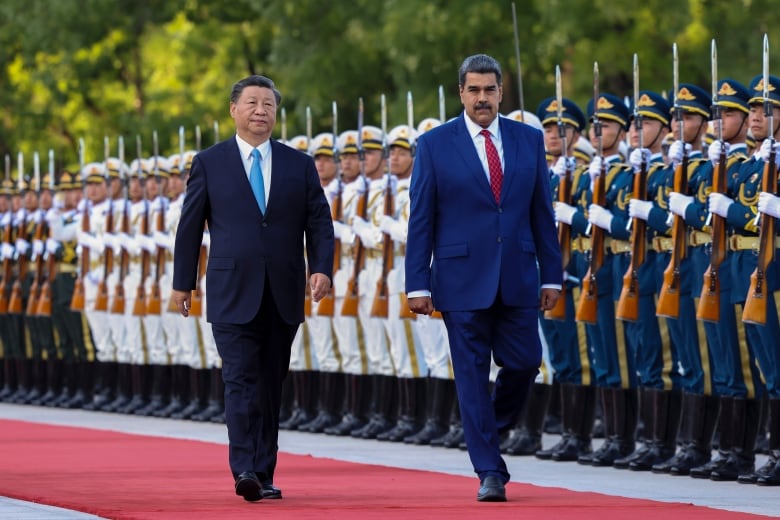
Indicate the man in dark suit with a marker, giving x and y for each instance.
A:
(261, 200)
(480, 206)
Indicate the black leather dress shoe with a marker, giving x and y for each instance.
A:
(271, 492)
(491, 490)
(249, 487)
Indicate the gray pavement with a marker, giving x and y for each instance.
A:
(721, 495)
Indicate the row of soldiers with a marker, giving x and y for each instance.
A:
(374, 370)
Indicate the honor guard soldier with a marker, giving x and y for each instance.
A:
(349, 340)
(8, 368)
(570, 354)
(329, 395)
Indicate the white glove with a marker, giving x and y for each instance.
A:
(110, 240)
(332, 189)
(600, 217)
(6, 250)
(19, 216)
(769, 204)
(81, 205)
(52, 246)
(22, 246)
(52, 216)
(146, 243)
(395, 228)
(87, 240)
(678, 203)
(764, 152)
(360, 185)
(393, 183)
(639, 208)
(638, 156)
(339, 228)
(675, 153)
(156, 205)
(129, 243)
(564, 165)
(719, 204)
(713, 152)
(564, 212)
(37, 248)
(206, 240)
(6, 219)
(386, 224)
(161, 239)
(594, 170)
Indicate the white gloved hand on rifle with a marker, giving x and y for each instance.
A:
(713, 152)
(675, 153)
(600, 217)
(678, 203)
(769, 204)
(639, 208)
(564, 165)
(719, 204)
(639, 156)
(564, 212)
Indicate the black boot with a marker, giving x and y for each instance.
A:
(358, 393)
(37, 382)
(102, 392)
(139, 375)
(769, 473)
(440, 392)
(82, 376)
(644, 429)
(553, 421)
(407, 424)
(68, 380)
(607, 400)
(742, 455)
(53, 385)
(666, 406)
(9, 379)
(23, 378)
(198, 385)
(699, 417)
(302, 392)
(724, 445)
(624, 423)
(383, 419)
(330, 396)
(578, 407)
(159, 375)
(216, 401)
(529, 441)
(179, 384)
(123, 389)
(455, 437)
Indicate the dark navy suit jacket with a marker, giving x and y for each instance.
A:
(247, 247)
(480, 246)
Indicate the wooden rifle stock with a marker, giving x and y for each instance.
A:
(326, 307)
(587, 307)
(118, 302)
(669, 297)
(196, 305)
(44, 301)
(350, 305)
(154, 305)
(6, 271)
(307, 295)
(77, 300)
(35, 288)
(558, 312)
(101, 300)
(628, 303)
(709, 302)
(15, 302)
(139, 307)
(754, 310)
(379, 305)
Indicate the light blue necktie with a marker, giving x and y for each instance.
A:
(256, 180)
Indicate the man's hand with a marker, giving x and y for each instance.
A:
(421, 305)
(548, 297)
(183, 300)
(319, 285)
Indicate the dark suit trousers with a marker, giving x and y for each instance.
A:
(255, 359)
(512, 335)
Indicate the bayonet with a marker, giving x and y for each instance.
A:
(410, 123)
(517, 59)
(284, 125)
(442, 112)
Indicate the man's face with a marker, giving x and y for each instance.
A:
(96, 191)
(45, 199)
(552, 141)
(350, 166)
(651, 133)
(175, 186)
(733, 127)
(116, 187)
(374, 164)
(757, 122)
(152, 187)
(400, 161)
(254, 114)
(30, 200)
(326, 168)
(693, 124)
(135, 190)
(611, 134)
(481, 95)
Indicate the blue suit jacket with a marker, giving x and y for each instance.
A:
(248, 247)
(479, 246)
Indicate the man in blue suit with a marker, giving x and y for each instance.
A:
(261, 200)
(481, 208)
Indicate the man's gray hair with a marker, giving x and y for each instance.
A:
(481, 64)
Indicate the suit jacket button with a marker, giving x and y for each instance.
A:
(499, 240)
(500, 210)
(265, 224)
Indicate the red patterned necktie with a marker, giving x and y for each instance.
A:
(494, 165)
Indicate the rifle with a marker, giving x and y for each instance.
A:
(154, 305)
(558, 312)
(628, 303)
(379, 305)
(587, 307)
(307, 287)
(43, 308)
(32, 298)
(519, 68)
(709, 302)
(754, 310)
(669, 296)
(118, 302)
(350, 305)
(101, 300)
(405, 312)
(77, 300)
(7, 266)
(325, 307)
(139, 307)
(15, 302)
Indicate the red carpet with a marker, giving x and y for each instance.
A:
(117, 475)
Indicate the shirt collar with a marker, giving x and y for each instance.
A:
(474, 129)
(246, 148)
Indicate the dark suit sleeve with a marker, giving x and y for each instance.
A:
(319, 226)
(548, 251)
(422, 209)
(189, 234)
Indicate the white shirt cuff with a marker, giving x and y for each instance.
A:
(417, 294)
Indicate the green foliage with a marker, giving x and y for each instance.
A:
(90, 68)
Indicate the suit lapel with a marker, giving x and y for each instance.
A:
(464, 144)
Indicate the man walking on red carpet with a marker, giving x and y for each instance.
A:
(480, 205)
(261, 200)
